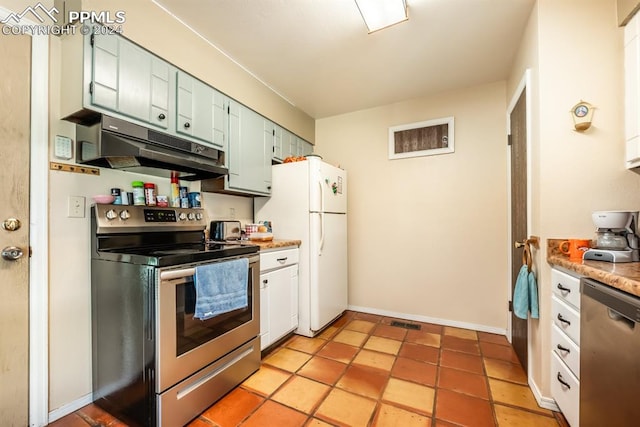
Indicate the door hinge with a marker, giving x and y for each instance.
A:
(91, 88)
(92, 39)
(510, 306)
(509, 139)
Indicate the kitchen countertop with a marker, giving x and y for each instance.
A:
(275, 244)
(623, 275)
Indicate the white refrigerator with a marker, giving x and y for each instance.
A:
(309, 203)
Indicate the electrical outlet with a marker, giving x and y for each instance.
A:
(75, 207)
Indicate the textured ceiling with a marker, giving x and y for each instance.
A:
(317, 54)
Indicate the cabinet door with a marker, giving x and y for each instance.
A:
(307, 148)
(252, 154)
(282, 286)
(632, 91)
(277, 143)
(265, 338)
(130, 81)
(200, 111)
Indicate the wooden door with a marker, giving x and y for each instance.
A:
(15, 97)
(518, 129)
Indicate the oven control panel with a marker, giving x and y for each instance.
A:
(119, 218)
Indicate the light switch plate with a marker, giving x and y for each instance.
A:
(63, 147)
(75, 207)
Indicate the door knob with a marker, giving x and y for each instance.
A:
(11, 253)
(11, 224)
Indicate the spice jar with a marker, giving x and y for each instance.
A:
(138, 193)
(150, 193)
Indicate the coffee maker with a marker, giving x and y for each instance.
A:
(616, 237)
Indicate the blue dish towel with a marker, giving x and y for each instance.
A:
(525, 294)
(221, 287)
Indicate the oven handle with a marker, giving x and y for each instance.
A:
(190, 272)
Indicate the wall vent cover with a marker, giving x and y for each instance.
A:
(405, 325)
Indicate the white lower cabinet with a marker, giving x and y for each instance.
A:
(565, 344)
(278, 295)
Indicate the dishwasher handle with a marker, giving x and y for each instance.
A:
(618, 317)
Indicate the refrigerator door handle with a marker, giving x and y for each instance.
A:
(321, 245)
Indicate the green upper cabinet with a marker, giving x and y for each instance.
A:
(200, 112)
(287, 144)
(130, 81)
(249, 154)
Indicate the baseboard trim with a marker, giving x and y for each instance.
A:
(70, 407)
(543, 401)
(427, 319)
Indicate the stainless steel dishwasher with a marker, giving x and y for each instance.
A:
(610, 356)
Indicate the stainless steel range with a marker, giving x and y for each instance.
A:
(156, 362)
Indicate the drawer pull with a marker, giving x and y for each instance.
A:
(563, 320)
(282, 259)
(563, 289)
(561, 348)
(563, 382)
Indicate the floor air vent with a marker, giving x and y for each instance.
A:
(405, 325)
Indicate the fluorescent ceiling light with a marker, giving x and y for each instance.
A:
(379, 14)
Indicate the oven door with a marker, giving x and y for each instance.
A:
(186, 345)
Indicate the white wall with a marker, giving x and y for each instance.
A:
(426, 234)
(573, 173)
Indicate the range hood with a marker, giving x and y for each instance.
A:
(118, 144)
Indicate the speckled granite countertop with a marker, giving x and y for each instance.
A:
(623, 275)
(276, 244)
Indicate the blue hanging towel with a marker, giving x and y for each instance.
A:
(525, 294)
(221, 287)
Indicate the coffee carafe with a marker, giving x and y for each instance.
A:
(616, 237)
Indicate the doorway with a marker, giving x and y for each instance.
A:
(519, 200)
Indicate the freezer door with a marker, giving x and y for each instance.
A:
(328, 192)
(328, 268)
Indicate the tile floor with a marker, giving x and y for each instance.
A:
(361, 371)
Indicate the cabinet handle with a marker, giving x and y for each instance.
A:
(187, 125)
(282, 259)
(563, 289)
(563, 382)
(161, 116)
(563, 320)
(561, 348)
(264, 282)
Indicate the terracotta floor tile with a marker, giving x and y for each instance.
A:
(391, 416)
(493, 338)
(353, 338)
(368, 317)
(512, 417)
(430, 327)
(199, 422)
(314, 422)
(504, 370)
(497, 351)
(451, 342)
(364, 381)
(71, 420)
(383, 345)
(415, 371)
(419, 352)
(275, 414)
(324, 370)
(409, 395)
(392, 332)
(301, 393)
(97, 415)
(462, 361)
(346, 409)
(343, 320)
(463, 382)
(328, 333)
(463, 410)
(424, 338)
(305, 344)
(466, 334)
(233, 408)
(338, 351)
(266, 380)
(287, 359)
(374, 359)
(515, 394)
(357, 325)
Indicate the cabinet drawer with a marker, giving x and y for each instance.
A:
(566, 395)
(278, 259)
(567, 319)
(566, 287)
(566, 350)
